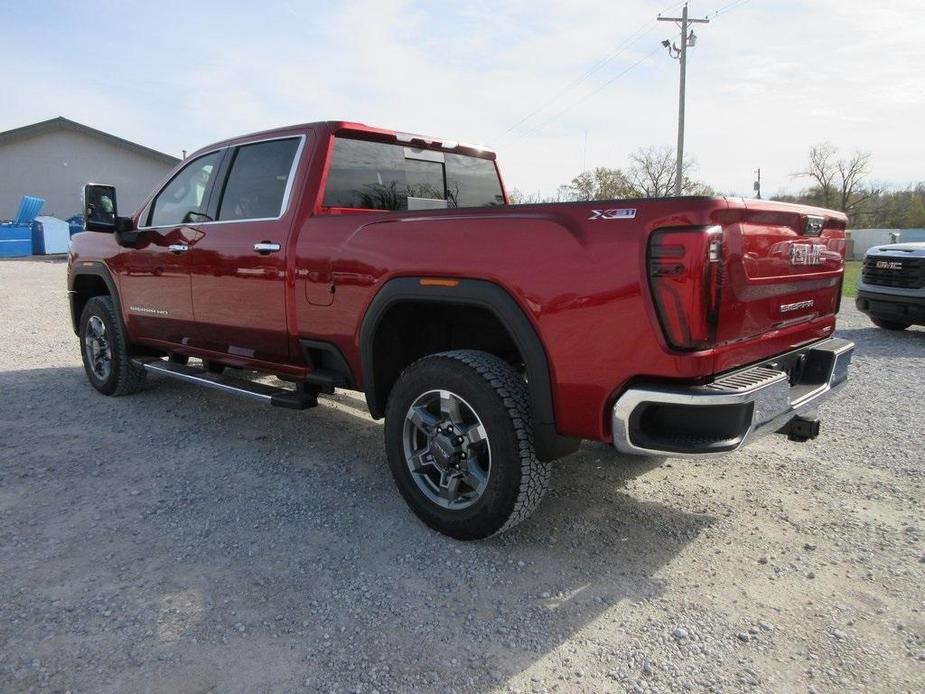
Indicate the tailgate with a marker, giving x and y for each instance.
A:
(782, 266)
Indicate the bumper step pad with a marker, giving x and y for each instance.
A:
(736, 408)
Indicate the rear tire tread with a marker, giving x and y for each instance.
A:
(512, 391)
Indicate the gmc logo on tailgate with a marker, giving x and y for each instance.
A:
(806, 254)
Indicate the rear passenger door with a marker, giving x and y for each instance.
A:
(238, 267)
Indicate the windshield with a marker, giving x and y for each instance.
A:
(381, 176)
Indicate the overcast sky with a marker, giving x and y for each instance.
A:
(767, 79)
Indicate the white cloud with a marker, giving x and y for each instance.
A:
(766, 80)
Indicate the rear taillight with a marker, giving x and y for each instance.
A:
(685, 272)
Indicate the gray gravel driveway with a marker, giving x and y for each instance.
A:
(181, 540)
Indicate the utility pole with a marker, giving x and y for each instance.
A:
(758, 183)
(687, 40)
(585, 162)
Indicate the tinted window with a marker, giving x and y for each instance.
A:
(257, 182)
(185, 194)
(472, 182)
(381, 176)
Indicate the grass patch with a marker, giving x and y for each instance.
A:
(852, 270)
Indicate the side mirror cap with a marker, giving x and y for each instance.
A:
(101, 211)
(100, 207)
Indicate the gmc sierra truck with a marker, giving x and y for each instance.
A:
(891, 288)
(492, 338)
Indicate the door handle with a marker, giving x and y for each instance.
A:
(178, 248)
(266, 247)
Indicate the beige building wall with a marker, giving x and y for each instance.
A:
(55, 166)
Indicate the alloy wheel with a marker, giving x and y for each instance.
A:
(98, 348)
(447, 449)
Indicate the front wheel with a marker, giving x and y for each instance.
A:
(889, 324)
(105, 349)
(460, 445)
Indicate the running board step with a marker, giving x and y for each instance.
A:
(328, 379)
(300, 399)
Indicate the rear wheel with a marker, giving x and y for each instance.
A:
(105, 349)
(889, 324)
(460, 445)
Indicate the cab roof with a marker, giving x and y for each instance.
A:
(333, 127)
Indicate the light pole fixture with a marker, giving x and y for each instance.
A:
(688, 40)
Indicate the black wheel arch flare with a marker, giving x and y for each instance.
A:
(94, 268)
(495, 299)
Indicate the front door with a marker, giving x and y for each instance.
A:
(154, 278)
(238, 266)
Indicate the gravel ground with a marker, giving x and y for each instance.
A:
(182, 540)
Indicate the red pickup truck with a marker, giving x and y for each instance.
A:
(491, 337)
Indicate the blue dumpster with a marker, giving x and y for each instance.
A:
(15, 240)
(29, 208)
(50, 235)
(76, 223)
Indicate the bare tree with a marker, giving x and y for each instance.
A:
(563, 194)
(518, 197)
(853, 188)
(653, 172)
(822, 170)
(839, 181)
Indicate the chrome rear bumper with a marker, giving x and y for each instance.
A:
(725, 415)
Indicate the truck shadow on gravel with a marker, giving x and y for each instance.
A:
(183, 535)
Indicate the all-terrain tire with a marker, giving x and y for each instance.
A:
(124, 376)
(517, 481)
(889, 324)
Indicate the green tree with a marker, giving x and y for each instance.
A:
(601, 184)
(915, 217)
(882, 209)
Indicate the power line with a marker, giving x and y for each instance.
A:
(599, 65)
(587, 96)
(735, 4)
(642, 31)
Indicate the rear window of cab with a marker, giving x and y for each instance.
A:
(380, 176)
